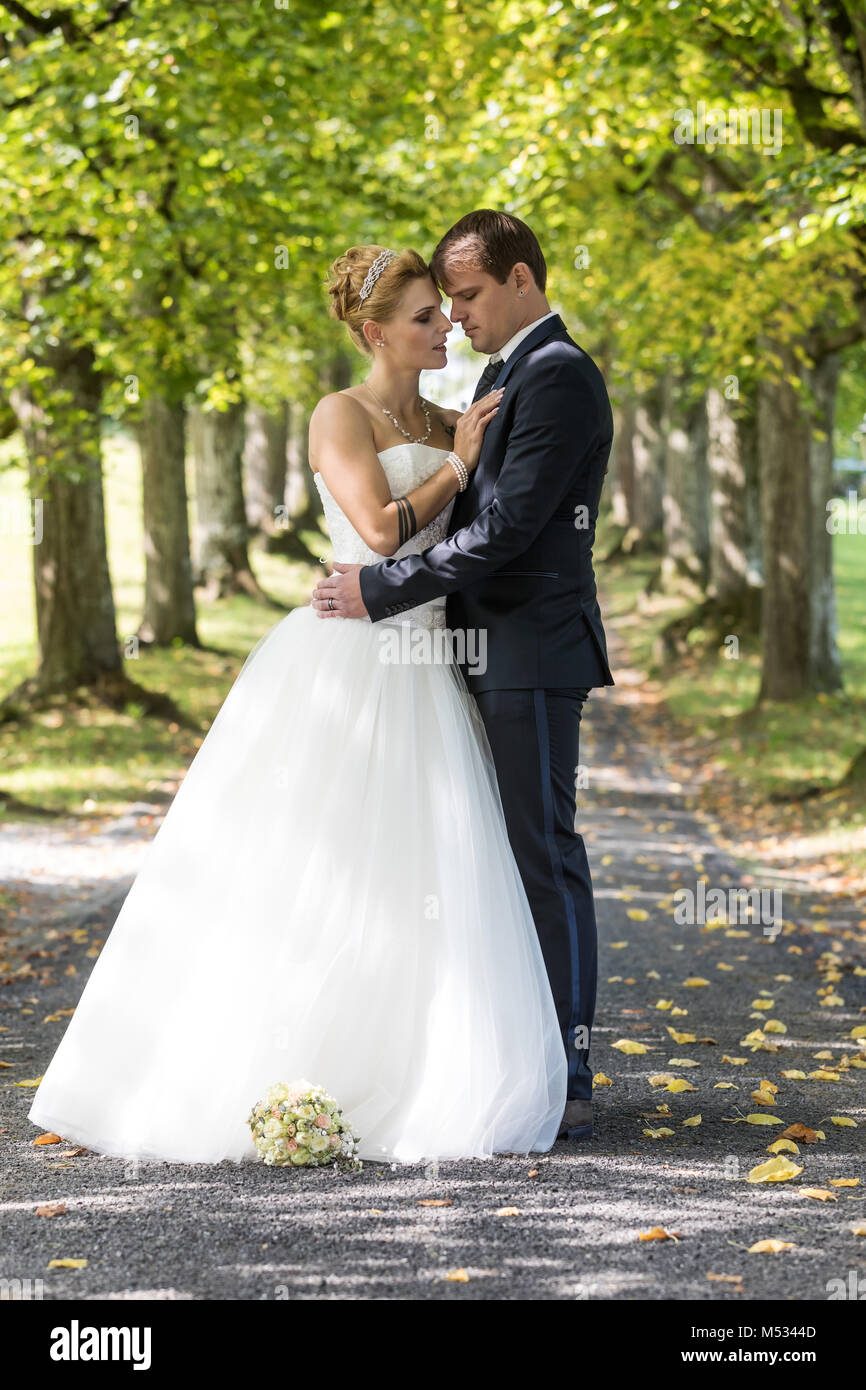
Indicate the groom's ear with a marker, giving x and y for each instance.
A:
(522, 275)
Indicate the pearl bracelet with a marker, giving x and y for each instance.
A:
(460, 469)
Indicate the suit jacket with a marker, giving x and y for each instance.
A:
(517, 561)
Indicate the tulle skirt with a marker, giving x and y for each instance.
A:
(331, 896)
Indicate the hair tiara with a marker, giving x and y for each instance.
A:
(383, 259)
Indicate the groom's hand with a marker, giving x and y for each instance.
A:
(344, 591)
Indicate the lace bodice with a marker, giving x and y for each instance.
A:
(406, 466)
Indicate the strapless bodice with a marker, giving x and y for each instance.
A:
(406, 466)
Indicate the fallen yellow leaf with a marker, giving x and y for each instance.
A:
(783, 1145)
(776, 1169)
(757, 1119)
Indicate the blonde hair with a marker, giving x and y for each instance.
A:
(347, 275)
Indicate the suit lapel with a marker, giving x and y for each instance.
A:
(552, 327)
(548, 329)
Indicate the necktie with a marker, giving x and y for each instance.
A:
(488, 376)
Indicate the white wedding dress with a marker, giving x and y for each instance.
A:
(331, 896)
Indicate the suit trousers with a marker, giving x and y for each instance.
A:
(534, 738)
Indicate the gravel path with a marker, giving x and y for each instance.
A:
(161, 1231)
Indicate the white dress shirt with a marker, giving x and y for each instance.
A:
(505, 352)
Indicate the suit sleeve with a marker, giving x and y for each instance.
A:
(556, 429)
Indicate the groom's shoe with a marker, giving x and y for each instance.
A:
(576, 1120)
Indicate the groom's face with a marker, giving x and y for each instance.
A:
(489, 313)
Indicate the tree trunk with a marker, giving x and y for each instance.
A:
(732, 579)
(622, 465)
(636, 474)
(824, 655)
(221, 563)
(75, 615)
(686, 521)
(747, 432)
(301, 491)
(265, 468)
(797, 614)
(648, 447)
(169, 604)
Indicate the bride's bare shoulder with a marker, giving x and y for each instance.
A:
(338, 419)
(336, 407)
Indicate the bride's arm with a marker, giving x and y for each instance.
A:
(342, 448)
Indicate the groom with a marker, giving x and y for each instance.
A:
(517, 564)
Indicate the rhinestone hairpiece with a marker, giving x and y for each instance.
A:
(374, 272)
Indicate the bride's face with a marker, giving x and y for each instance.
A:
(415, 336)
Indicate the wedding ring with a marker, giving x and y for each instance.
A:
(330, 603)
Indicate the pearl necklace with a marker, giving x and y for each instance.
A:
(396, 423)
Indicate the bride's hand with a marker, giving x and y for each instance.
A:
(470, 429)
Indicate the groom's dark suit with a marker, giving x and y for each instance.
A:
(517, 564)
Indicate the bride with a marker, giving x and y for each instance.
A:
(332, 895)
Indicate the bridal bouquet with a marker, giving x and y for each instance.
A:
(300, 1125)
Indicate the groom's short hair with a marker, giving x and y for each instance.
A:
(494, 242)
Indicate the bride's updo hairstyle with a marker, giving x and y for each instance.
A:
(347, 276)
